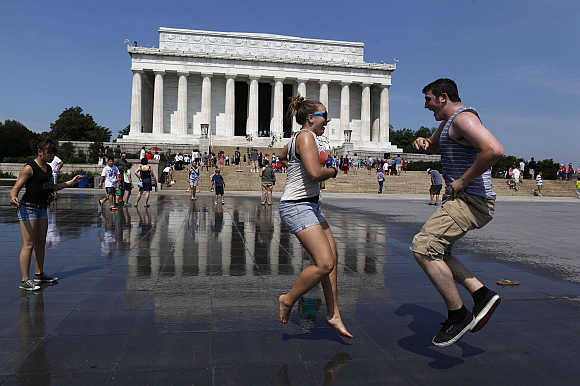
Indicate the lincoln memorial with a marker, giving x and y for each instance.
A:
(238, 86)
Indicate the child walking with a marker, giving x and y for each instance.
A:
(218, 183)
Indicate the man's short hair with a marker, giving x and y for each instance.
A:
(441, 86)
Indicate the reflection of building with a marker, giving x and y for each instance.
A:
(252, 250)
(239, 84)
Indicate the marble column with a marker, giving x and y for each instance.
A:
(324, 93)
(252, 127)
(365, 114)
(230, 105)
(344, 108)
(136, 122)
(302, 87)
(158, 103)
(278, 127)
(323, 98)
(206, 100)
(182, 104)
(384, 115)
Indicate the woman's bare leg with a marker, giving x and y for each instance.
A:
(316, 243)
(27, 229)
(147, 193)
(40, 245)
(330, 289)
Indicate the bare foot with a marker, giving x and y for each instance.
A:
(285, 309)
(339, 327)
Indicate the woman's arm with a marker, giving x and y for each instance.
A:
(138, 173)
(68, 184)
(283, 156)
(306, 147)
(23, 176)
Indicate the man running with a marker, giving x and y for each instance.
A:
(468, 150)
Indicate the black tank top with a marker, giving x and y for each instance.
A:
(38, 187)
(145, 174)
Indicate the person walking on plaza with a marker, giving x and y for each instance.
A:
(468, 151)
(268, 179)
(127, 183)
(145, 174)
(578, 183)
(436, 185)
(193, 179)
(218, 183)
(300, 211)
(36, 177)
(398, 165)
(110, 175)
(380, 179)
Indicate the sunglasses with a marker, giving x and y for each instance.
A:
(323, 113)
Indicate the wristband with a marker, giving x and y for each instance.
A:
(335, 172)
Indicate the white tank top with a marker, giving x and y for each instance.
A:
(298, 184)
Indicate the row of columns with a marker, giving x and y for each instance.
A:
(252, 125)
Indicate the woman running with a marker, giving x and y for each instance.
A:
(145, 174)
(300, 211)
(36, 176)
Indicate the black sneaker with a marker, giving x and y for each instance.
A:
(42, 278)
(28, 285)
(451, 332)
(483, 310)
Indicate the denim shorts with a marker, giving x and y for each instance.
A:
(300, 215)
(28, 211)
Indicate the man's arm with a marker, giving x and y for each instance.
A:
(468, 129)
(429, 145)
(60, 165)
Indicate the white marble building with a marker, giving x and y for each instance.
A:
(239, 84)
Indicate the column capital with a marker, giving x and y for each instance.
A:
(254, 77)
(279, 79)
(345, 82)
(302, 80)
(323, 81)
(365, 84)
(182, 73)
(159, 72)
(206, 75)
(231, 76)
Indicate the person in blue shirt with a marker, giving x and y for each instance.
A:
(218, 184)
(436, 184)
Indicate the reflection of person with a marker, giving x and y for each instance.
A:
(300, 210)
(36, 176)
(468, 150)
(32, 326)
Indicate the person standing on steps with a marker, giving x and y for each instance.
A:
(468, 151)
(300, 211)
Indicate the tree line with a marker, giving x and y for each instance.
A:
(16, 140)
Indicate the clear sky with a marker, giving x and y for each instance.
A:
(515, 61)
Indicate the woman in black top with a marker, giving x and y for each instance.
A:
(36, 176)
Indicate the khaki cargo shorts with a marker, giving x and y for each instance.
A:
(450, 222)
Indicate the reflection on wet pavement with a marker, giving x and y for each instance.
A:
(186, 293)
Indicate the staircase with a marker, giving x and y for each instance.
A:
(362, 182)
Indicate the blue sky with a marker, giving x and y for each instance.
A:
(515, 61)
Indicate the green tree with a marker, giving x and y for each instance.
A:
(403, 138)
(16, 139)
(123, 132)
(425, 132)
(73, 125)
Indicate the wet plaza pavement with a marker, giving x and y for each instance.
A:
(185, 293)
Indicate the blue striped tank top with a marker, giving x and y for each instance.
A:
(457, 158)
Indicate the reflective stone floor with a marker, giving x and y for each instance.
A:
(186, 293)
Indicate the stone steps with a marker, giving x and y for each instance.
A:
(410, 182)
